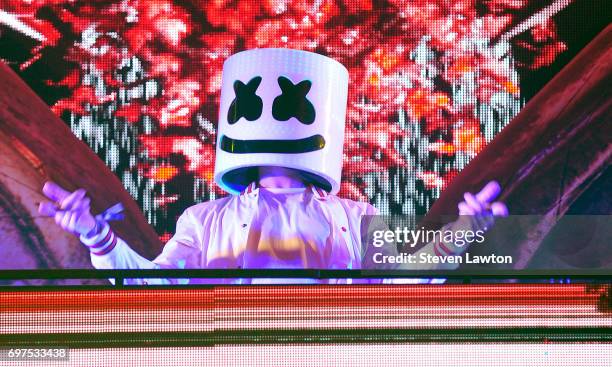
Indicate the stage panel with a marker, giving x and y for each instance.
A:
(362, 355)
(356, 325)
(306, 314)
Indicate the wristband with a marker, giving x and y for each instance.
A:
(101, 239)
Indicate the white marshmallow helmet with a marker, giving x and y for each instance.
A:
(283, 108)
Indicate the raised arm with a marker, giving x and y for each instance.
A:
(72, 212)
(477, 213)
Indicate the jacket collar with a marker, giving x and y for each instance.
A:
(252, 189)
(318, 192)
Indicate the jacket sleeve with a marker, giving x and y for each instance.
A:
(375, 222)
(109, 251)
(371, 222)
(437, 247)
(440, 247)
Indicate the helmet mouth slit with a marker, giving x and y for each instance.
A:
(238, 179)
(285, 146)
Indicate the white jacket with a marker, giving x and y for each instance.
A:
(225, 233)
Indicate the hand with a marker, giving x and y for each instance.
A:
(481, 206)
(71, 211)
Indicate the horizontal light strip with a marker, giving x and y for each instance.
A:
(301, 318)
(283, 296)
(241, 308)
(353, 355)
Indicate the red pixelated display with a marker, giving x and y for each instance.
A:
(431, 82)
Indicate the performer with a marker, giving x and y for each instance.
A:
(279, 155)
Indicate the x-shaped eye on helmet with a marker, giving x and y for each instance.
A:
(247, 104)
(293, 102)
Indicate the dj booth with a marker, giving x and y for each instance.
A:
(511, 324)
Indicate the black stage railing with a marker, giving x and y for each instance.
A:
(119, 275)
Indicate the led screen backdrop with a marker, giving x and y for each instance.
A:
(451, 325)
(431, 83)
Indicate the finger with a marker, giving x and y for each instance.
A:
(54, 192)
(486, 221)
(84, 204)
(66, 220)
(482, 221)
(73, 200)
(499, 209)
(73, 221)
(473, 203)
(59, 216)
(465, 209)
(489, 192)
(48, 209)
